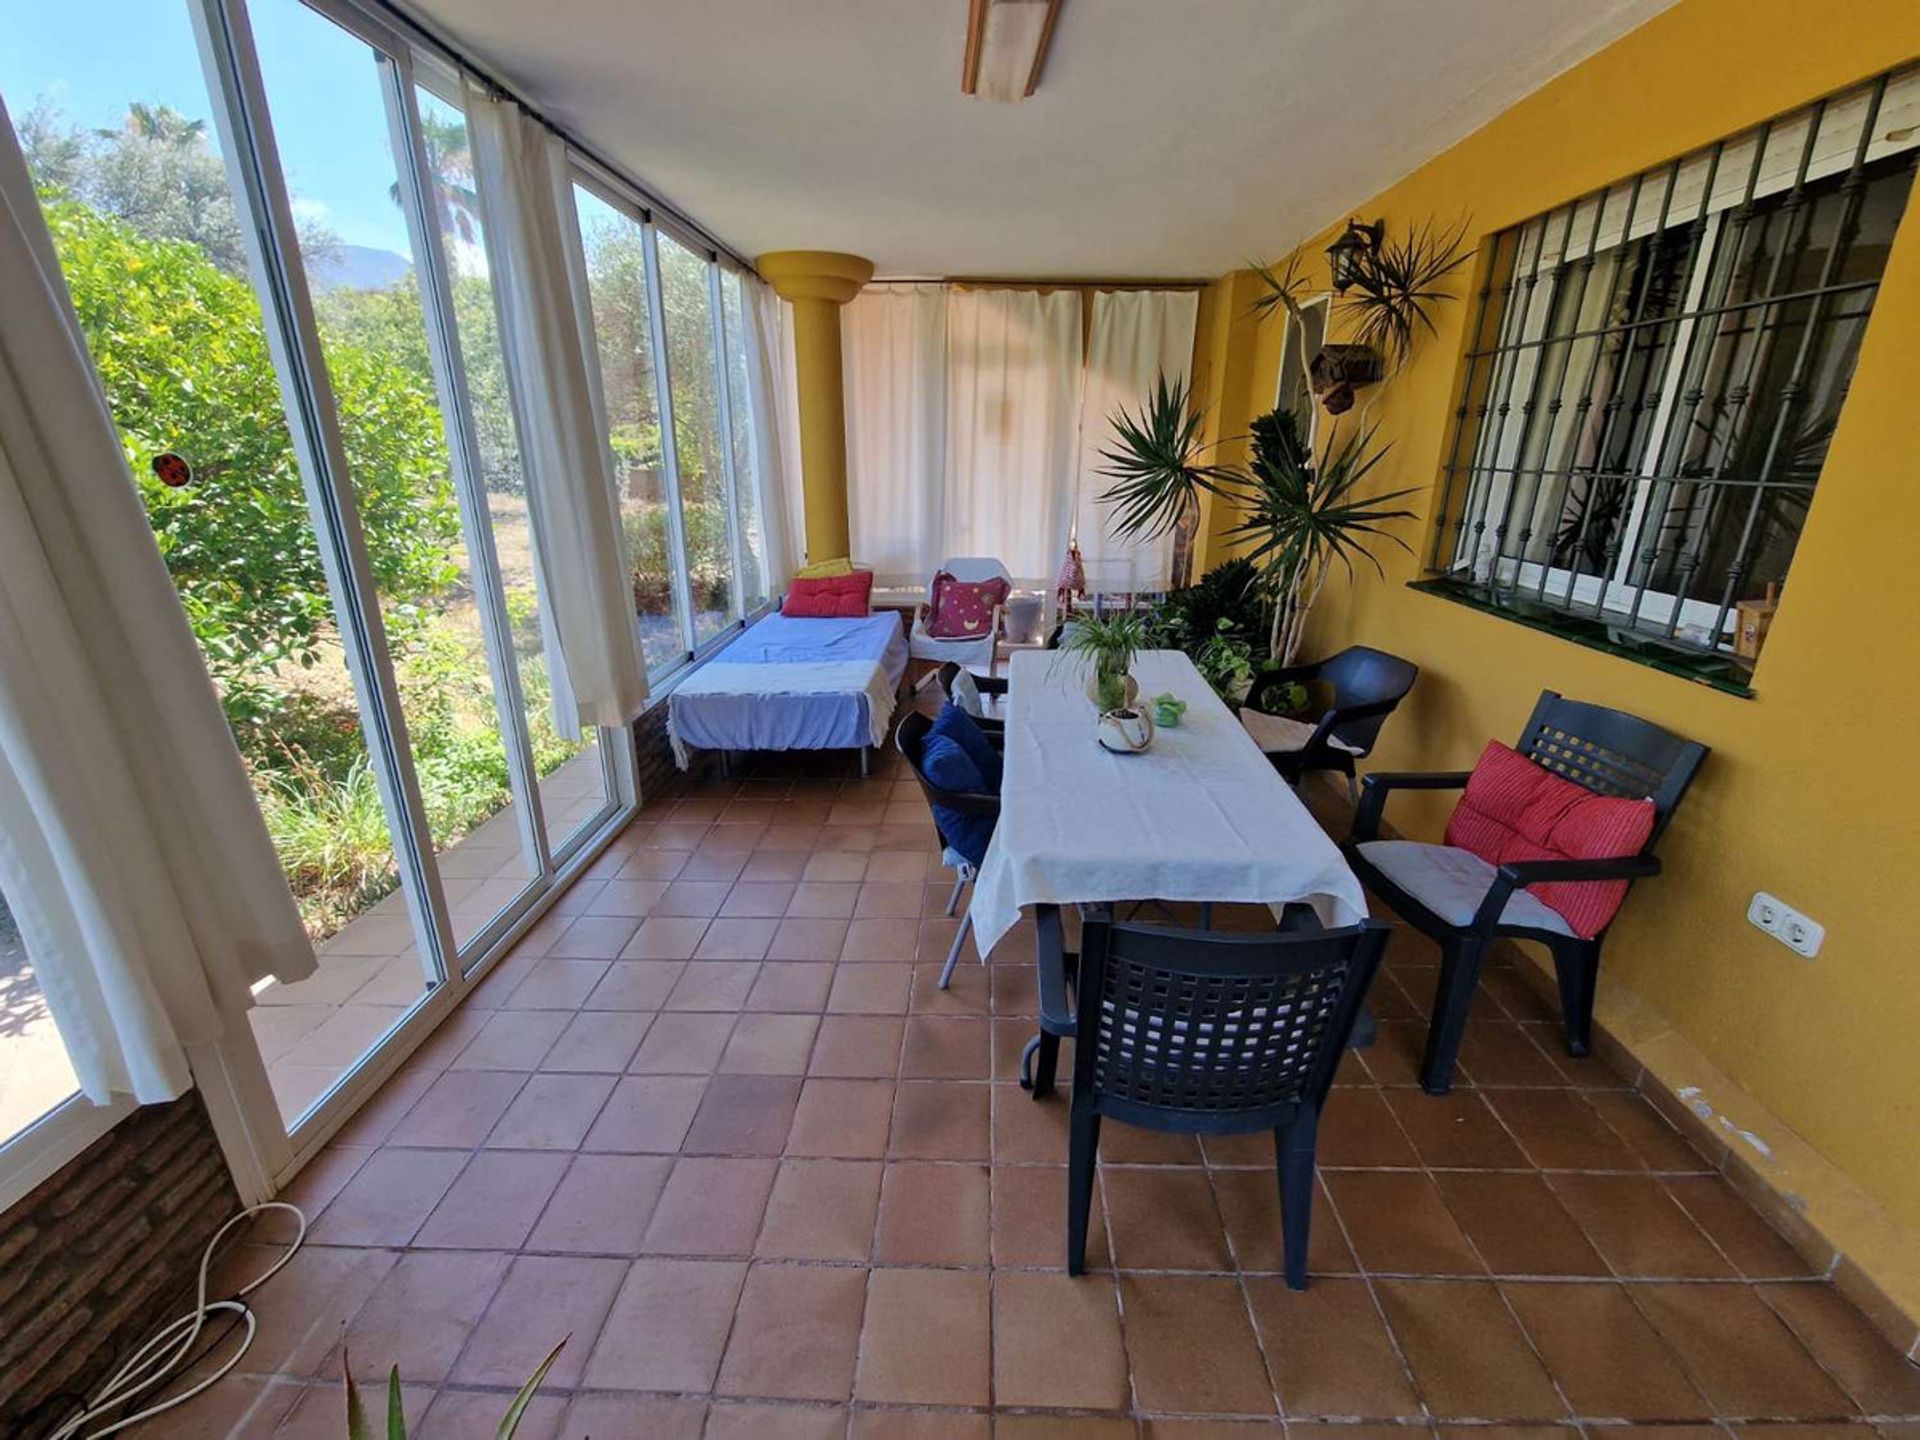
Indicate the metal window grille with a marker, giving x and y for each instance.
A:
(1655, 369)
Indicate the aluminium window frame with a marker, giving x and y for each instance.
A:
(1293, 349)
(612, 190)
(263, 1149)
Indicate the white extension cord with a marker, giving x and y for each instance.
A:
(160, 1357)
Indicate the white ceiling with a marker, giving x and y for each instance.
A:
(1168, 137)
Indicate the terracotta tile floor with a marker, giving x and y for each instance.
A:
(715, 1124)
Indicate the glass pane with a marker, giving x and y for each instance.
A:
(615, 246)
(119, 134)
(35, 1073)
(327, 92)
(748, 480)
(697, 439)
(444, 132)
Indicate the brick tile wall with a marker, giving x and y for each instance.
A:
(103, 1252)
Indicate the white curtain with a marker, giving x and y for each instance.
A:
(526, 205)
(132, 853)
(1013, 409)
(894, 343)
(775, 423)
(1137, 336)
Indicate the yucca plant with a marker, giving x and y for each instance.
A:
(1156, 473)
(359, 1429)
(1300, 516)
(1397, 284)
(1390, 299)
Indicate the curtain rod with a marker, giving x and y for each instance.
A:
(430, 34)
(981, 282)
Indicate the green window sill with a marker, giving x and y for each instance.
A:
(1720, 672)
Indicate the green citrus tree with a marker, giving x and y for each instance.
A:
(182, 355)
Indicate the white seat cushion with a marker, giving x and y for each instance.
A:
(963, 650)
(1277, 735)
(1452, 882)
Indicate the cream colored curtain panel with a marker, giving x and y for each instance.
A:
(526, 201)
(775, 421)
(894, 342)
(1136, 337)
(974, 418)
(132, 853)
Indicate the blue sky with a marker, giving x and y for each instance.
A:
(91, 57)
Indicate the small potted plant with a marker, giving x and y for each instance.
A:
(1111, 642)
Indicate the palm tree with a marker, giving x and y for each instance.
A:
(158, 123)
(450, 163)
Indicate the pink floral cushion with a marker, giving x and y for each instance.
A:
(963, 609)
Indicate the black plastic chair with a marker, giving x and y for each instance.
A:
(1608, 752)
(991, 687)
(909, 737)
(1203, 1033)
(1367, 685)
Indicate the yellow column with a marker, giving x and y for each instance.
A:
(819, 282)
(1226, 364)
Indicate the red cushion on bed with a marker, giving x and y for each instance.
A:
(831, 597)
(1514, 809)
(963, 609)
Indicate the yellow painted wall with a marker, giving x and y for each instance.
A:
(1811, 792)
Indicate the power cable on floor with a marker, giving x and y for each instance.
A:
(162, 1355)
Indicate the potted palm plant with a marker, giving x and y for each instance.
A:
(1301, 516)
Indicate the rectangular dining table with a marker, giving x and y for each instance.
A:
(1199, 815)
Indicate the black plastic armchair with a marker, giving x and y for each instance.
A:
(1367, 685)
(1465, 904)
(1202, 1033)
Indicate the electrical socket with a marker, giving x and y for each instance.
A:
(1797, 932)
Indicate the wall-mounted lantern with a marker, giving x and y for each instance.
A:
(1347, 254)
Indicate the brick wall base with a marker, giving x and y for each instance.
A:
(102, 1253)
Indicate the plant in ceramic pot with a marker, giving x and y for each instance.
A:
(1110, 643)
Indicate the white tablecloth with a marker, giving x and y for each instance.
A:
(1201, 815)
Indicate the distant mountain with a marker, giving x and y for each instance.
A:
(359, 267)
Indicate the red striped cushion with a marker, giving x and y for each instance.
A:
(1514, 809)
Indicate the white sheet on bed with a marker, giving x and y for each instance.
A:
(793, 684)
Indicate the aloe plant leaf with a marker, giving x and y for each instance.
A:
(511, 1420)
(396, 1408)
(357, 1427)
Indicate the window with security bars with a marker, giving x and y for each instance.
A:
(1655, 371)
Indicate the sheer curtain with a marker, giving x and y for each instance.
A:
(775, 423)
(894, 343)
(1137, 336)
(1013, 404)
(580, 553)
(131, 850)
(974, 425)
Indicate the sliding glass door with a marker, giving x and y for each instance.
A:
(271, 236)
(669, 336)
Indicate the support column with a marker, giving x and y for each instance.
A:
(818, 283)
(1226, 363)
